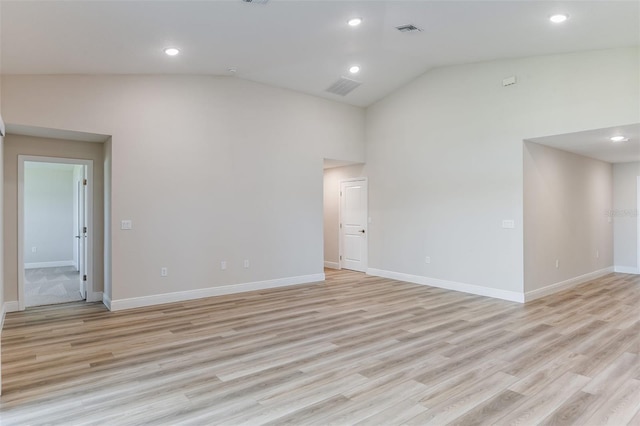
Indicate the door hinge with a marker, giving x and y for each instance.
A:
(84, 182)
(340, 257)
(84, 229)
(84, 278)
(341, 193)
(340, 226)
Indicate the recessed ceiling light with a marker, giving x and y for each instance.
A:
(171, 51)
(619, 139)
(354, 22)
(354, 69)
(559, 18)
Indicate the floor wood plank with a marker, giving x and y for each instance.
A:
(353, 349)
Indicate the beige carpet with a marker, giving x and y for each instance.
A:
(50, 286)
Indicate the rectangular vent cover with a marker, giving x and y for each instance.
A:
(409, 28)
(256, 1)
(343, 86)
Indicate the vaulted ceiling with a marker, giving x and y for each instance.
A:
(301, 45)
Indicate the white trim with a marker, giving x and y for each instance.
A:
(638, 223)
(6, 308)
(332, 265)
(564, 285)
(106, 300)
(180, 296)
(96, 296)
(55, 264)
(89, 165)
(512, 296)
(626, 270)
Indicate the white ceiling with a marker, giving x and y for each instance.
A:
(301, 45)
(597, 144)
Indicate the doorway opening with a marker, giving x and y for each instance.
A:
(335, 173)
(54, 230)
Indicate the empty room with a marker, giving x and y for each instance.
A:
(248, 212)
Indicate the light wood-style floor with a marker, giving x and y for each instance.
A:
(350, 350)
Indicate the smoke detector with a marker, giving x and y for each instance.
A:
(408, 28)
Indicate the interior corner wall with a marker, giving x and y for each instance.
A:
(625, 216)
(107, 221)
(27, 145)
(567, 198)
(206, 168)
(331, 189)
(444, 157)
(2, 269)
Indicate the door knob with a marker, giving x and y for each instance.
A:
(78, 236)
(362, 231)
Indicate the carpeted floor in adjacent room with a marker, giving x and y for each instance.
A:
(49, 286)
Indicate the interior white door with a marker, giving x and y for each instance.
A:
(82, 232)
(353, 225)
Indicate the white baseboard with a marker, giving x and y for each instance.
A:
(626, 270)
(55, 264)
(180, 296)
(96, 296)
(106, 300)
(332, 265)
(6, 308)
(512, 296)
(564, 285)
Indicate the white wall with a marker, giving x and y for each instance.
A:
(332, 178)
(566, 197)
(2, 305)
(625, 216)
(207, 168)
(48, 215)
(444, 158)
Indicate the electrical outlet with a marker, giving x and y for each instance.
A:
(427, 259)
(164, 272)
(223, 265)
(557, 263)
(246, 263)
(34, 249)
(126, 225)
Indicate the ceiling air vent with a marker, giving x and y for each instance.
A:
(256, 1)
(408, 28)
(343, 86)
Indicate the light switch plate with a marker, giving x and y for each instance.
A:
(508, 224)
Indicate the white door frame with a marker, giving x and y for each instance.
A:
(638, 225)
(340, 236)
(89, 212)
